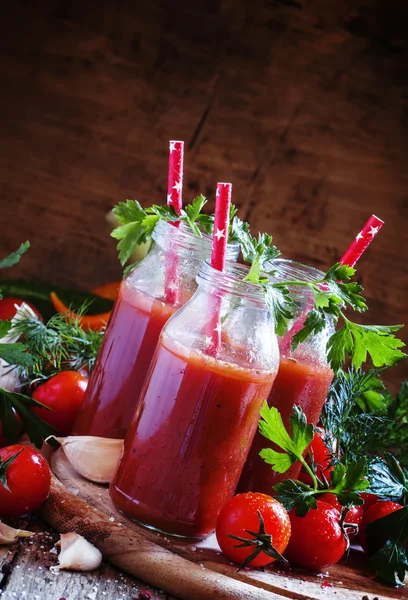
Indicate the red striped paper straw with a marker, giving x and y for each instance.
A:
(353, 253)
(361, 242)
(175, 199)
(218, 258)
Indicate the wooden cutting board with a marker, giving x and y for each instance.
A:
(192, 571)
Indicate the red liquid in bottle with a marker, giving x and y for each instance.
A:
(122, 364)
(299, 381)
(188, 441)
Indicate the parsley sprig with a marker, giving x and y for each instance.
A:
(136, 224)
(12, 352)
(386, 541)
(331, 295)
(345, 482)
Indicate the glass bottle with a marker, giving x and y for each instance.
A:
(199, 407)
(304, 377)
(154, 290)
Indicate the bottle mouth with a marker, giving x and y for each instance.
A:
(286, 269)
(230, 281)
(168, 236)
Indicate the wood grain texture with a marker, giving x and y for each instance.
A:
(89, 510)
(301, 105)
(25, 574)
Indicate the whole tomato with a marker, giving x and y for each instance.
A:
(369, 500)
(63, 394)
(321, 456)
(8, 308)
(28, 479)
(240, 514)
(354, 514)
(377, 511)
(317, 540)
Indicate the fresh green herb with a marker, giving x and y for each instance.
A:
(396, 435)
(331, 295)
(13, 258)
(137, 224)
(388, 479)
(4, 465)
(350, 431)
(344, 483)
(58, 345)
(386, 541)
(35, 427)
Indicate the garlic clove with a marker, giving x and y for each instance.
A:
(77, 554)
(95, 458)
(8, 534)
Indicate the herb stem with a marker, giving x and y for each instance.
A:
(310, 472)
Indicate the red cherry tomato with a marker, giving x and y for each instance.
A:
(321, 456)
(28, 478)
(8, 308)
(240, 513)
(63, 394)
(354, 514)
(369, 500)
(317, 540)
(377, 511)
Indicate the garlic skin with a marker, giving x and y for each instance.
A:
(95, 458)
(8, 534)
(77, 554)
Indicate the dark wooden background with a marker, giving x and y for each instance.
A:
(301, 104)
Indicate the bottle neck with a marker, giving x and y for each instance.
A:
(289, 270)
(230, 282)
(181, 240)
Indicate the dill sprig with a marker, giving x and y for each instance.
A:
(59, 345)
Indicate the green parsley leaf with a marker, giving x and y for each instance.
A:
(36, 429)
(15, 354)
(136, 224)
(359, 340)
(295, 494)
(314, 323)
(387, 479)
(386, 540)
(279, 303)
(5, 327)
(13, 258)
(271, 426)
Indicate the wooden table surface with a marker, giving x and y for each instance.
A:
(302, 105)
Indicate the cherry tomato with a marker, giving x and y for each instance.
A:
(28, 478)
(8, 308)
(369, 500)
(321, 456)
(317, 540)
(377, 511)
(63, 394)
(240, 513)
(354, 514)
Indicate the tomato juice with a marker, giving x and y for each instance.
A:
(122, 364)
(189, 439)
(302, 381)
